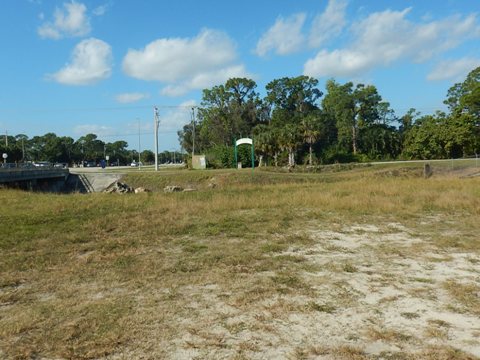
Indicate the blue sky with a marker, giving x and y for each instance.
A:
(75, 67)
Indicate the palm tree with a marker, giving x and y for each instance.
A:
(261, 136)
(274, 142)
(311, 133)
(288, 140)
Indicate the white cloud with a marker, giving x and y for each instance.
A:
(329, 24)
(385, 37)
(185, 63)
(456, 70)
(100, 10)
(341, 62)
(90, 62)
(175, 119)
(71, 21)
(284, 37)
(127, 98)
(205, 79)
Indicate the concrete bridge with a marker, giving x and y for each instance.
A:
(34, 178)
(53, 179)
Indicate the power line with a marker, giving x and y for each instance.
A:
(138, 107)
(136, 134)
(118, 135)
(111, 108)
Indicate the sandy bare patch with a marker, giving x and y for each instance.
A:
(365, 299)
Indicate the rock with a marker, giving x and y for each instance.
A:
(118, 187)
(212, 183)
(141, 190)
(189, 190)
(427, 171)
(172, 188)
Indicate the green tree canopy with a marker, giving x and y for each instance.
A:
(354, 108)
(228, 111)
(465, 97)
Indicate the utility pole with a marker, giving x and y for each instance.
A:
(6, 138)
(83, 155)
(138, 144)
(156, 123)
(193, 132)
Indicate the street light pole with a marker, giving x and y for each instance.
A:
(83, 154)
(156, 123)
(193, 131)
(139, 144)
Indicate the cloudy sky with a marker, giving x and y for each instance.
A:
(74, 67)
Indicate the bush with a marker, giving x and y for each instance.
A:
(221, 156)
(306, 159)
(333, 155)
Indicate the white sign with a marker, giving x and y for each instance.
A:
(244, 141)
(5, 155)
(107, 157)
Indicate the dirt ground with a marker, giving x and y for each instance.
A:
(383, 292)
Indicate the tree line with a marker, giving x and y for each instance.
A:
(296, 122)
(64, 149)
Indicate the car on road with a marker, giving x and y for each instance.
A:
(42, 164)
(136, 164)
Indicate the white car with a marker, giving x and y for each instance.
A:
(42, 164)
(136, 164)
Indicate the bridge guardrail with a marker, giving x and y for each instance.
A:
(32, 166)
(13, 166)
(28, 174)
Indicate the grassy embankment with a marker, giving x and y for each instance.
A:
(224, 271)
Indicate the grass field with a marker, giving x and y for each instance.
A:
(349, 263)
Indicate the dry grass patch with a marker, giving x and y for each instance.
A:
(467, 295)
(233, 272)
(442, 352)
(410, 315)
(346, 352)
(436, 333)
(388, 335)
